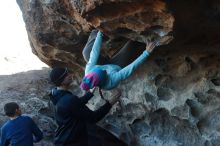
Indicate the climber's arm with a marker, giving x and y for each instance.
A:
(94, 55)
(128, 70)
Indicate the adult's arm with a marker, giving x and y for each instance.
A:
(89, 116)
(3, 140)
(129, 69)
(85, 98)
(94, 55)
(38, 135)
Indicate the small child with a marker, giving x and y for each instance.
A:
(108, 74)
(19, 130)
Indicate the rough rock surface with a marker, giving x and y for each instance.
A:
(58, 29)
(174, 97)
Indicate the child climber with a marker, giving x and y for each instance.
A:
(118, 68)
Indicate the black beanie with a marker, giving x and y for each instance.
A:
(58, 74)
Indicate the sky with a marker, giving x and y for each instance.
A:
(15, 50)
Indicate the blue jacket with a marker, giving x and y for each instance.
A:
(114, 72)
(21, 131)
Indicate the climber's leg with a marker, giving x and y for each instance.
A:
(128, 53)
(88, 48)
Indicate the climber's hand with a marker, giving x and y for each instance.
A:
(150, 46)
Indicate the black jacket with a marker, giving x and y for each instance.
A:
(72, 116)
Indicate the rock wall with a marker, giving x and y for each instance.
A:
(58, 29)
(174, 97)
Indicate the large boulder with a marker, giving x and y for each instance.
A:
(58, 30)
(173, 98)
